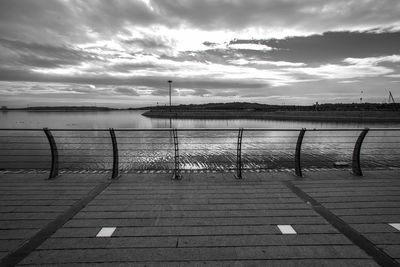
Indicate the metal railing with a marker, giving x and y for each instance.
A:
(175, 150)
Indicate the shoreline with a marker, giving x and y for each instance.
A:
(326, 116)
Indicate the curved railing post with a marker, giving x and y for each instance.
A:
(177, 171)
(115, 170)
(54, 154)
(297, 162)
(357, 152)
(239, 154)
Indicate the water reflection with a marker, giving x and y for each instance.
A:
(198, 150)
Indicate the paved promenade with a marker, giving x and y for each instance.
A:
(327, 218)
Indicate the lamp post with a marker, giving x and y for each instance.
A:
(169, 83)
(170, 115)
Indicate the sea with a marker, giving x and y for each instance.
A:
(201, 144)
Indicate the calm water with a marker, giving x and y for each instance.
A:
(198, 150)
(134, 119)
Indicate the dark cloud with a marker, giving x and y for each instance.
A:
(72, 21)
(330, 46)
(147, 81)
(126, 91)
(45, 55)
(112, 16)
(226, 93)
(41, 21)
(75, 20)
(160, 92)
(311, 15)
(128, 67)
(211, 44)
(200, 92)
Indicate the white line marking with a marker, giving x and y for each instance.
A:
(287, 229)
(395, 225)
(106, 232)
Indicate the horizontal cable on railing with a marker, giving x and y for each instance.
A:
(63, 143)
(197, 129)
(383, 142)
(370, 150)
(22, 136)
(29, 143)
(26, 149)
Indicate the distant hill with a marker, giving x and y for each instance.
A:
(245, 106)
(366, 112)
(67, 108)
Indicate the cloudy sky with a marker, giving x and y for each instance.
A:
(121, 53)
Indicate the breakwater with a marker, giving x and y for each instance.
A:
(320, 116)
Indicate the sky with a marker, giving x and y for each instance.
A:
(121, 53)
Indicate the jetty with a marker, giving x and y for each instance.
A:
(325, 218)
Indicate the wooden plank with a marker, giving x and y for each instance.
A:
(187, 254)
(194, 221)
(225, 263)
(370, 198)
(392, 250)
(22, 224)
(373, 228)
(113, 202)
(40, 197)
(194, 214)
(28, 216)
(350, 189)
(120, 242)
(263, 240)
(367, 211)
(5, 245)
(376, 193)
(384, 238)
(185, 197)
(17, 233)
(365, 204)
(371, 218)
(195, 207)
(41, 202)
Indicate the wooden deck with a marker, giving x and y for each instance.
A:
(204, 219)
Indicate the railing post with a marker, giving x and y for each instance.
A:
(239, 155)
(357, 152)
(297, 162)
(115, 171)
(177, 171)
(54, 154)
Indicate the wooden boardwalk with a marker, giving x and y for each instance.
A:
(204, 219)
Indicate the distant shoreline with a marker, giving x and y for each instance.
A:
(323, 116)
(70, 109)
(242, 107)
